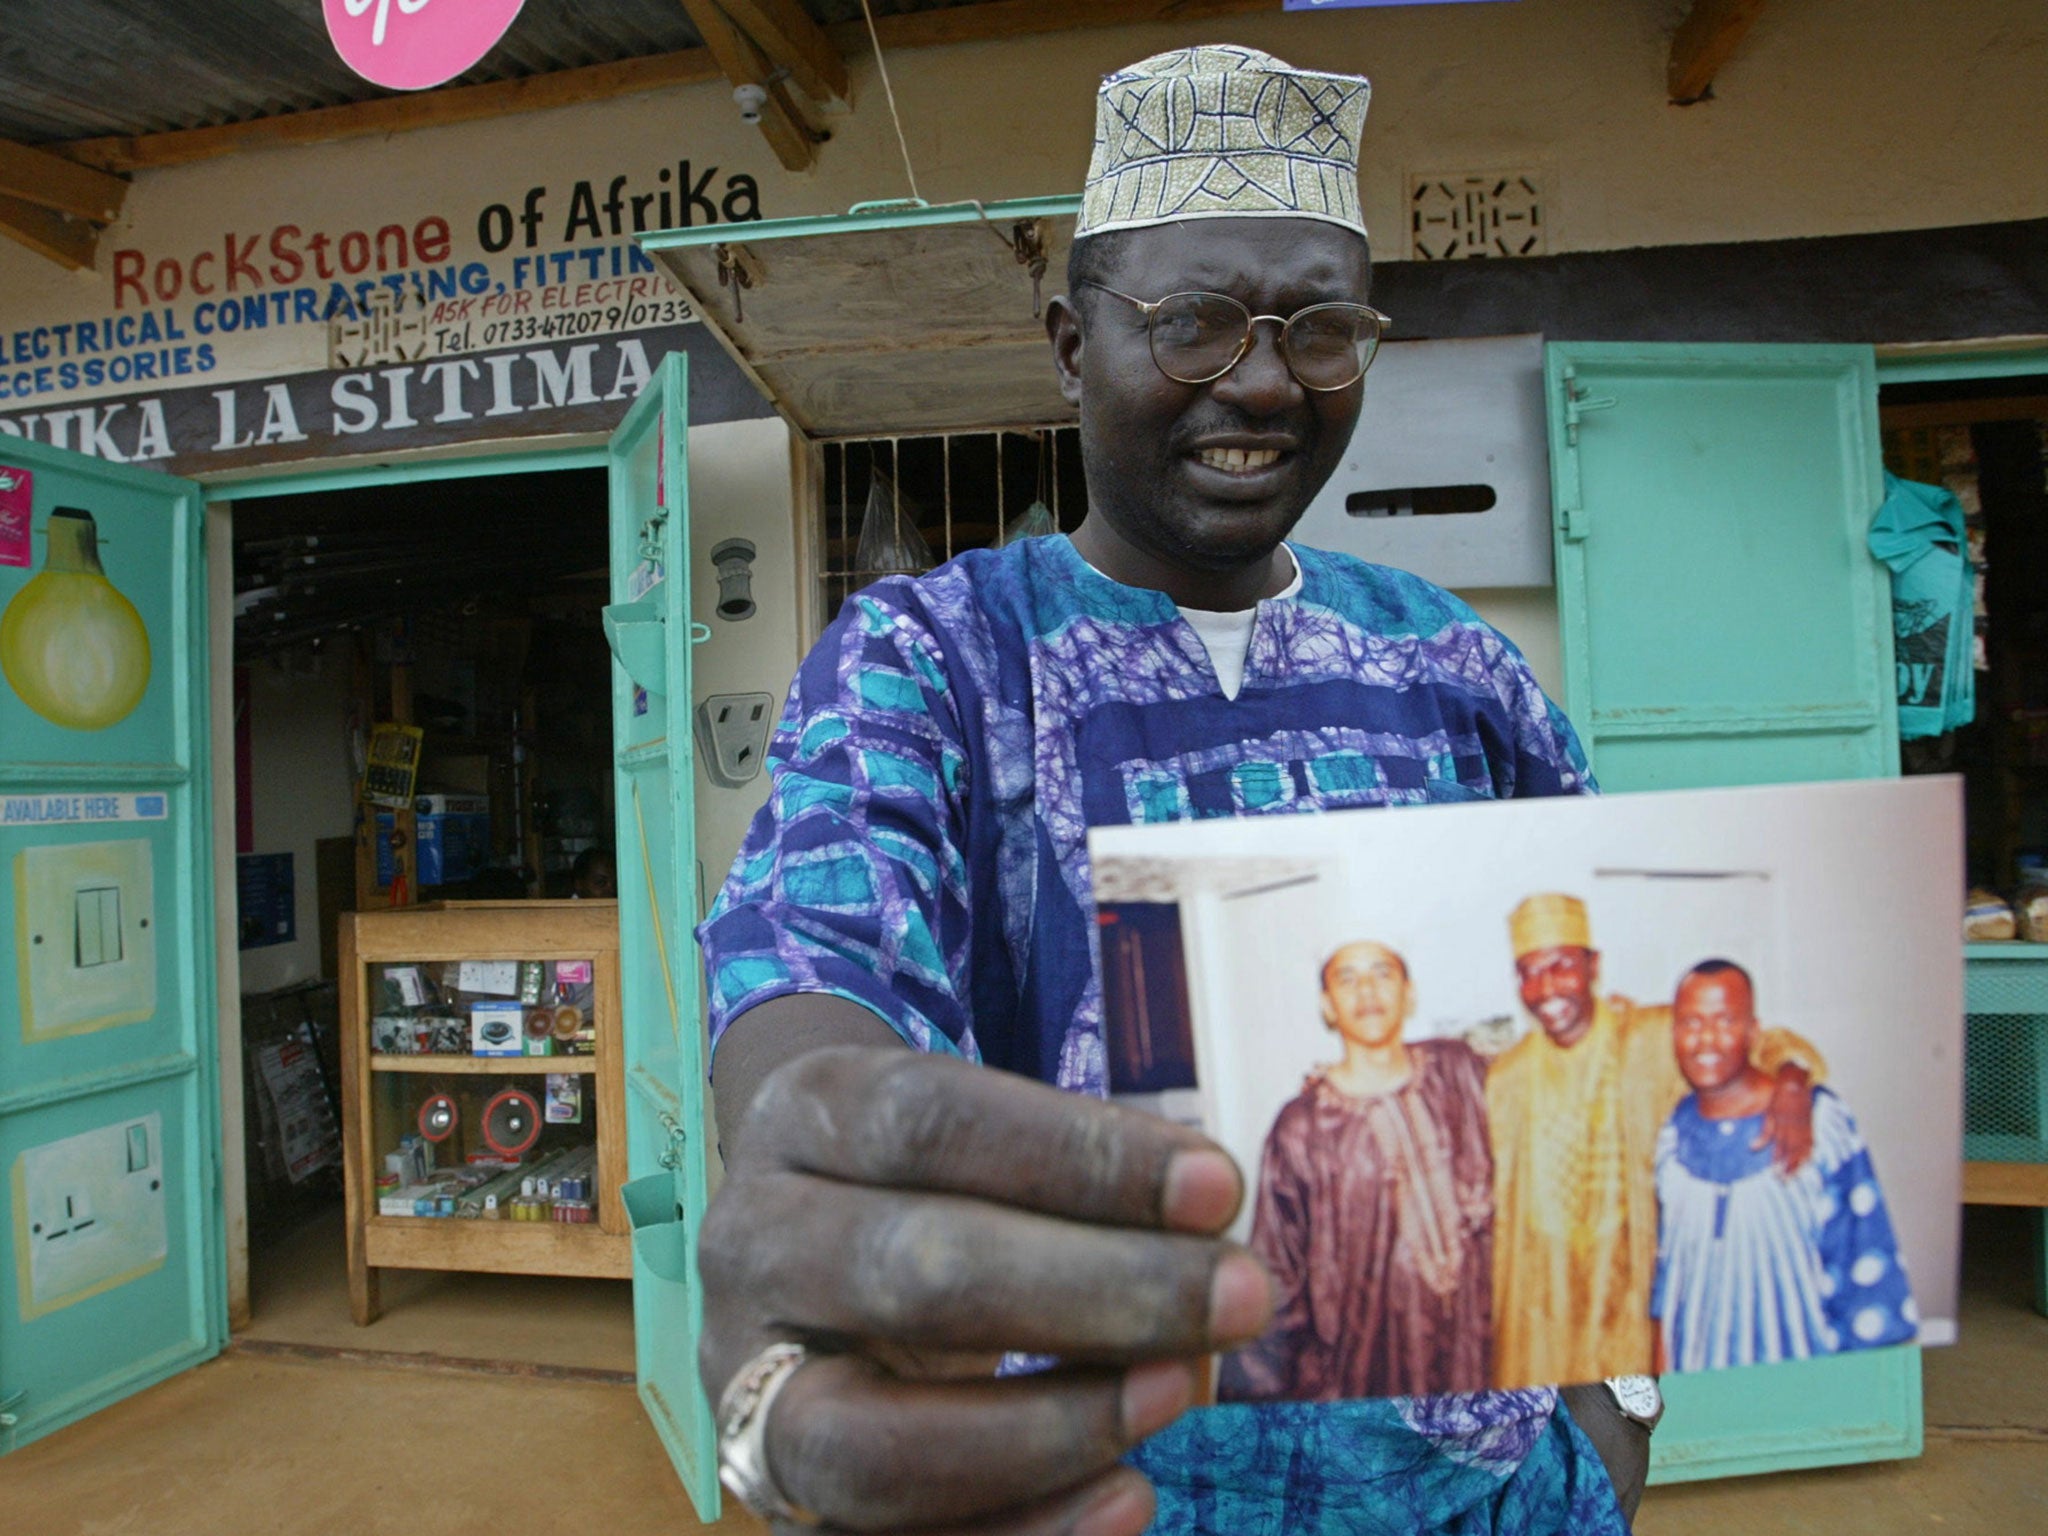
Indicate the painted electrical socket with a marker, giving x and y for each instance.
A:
(89, 1213)
(85, 935)
(732, 735)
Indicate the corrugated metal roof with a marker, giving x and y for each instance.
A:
(72, 69)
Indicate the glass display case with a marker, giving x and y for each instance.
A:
(483, 1120)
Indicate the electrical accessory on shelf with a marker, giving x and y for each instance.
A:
(497, 1029)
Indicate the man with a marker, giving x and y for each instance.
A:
(1375, 1209)
(890, 1222)
(1754, 1264)
(1575, 1108)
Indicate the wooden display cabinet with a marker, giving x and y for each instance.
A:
(382, 1093)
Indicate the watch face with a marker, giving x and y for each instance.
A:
(1638, 1396)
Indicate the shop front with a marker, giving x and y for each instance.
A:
(553, 455)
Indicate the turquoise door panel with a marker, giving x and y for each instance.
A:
(649, 628)
(112, 1269)
(1722, 622)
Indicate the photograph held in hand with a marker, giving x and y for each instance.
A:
(1559, 1092)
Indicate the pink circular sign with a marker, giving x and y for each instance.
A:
(412, 45)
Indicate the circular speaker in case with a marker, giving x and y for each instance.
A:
(438, 1117)
(512, 1123)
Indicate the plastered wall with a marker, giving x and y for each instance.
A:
(300, 792)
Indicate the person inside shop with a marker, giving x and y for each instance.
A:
(1374, 1210)
(1756, 1264)
(594, 876)
(942, 1298)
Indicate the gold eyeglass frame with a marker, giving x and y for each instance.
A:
(1381, 324)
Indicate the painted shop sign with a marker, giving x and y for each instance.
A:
(536, 388)
(551, 261)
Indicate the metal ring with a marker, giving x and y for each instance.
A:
(743, 1433)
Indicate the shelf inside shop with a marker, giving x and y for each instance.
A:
(485, 1066)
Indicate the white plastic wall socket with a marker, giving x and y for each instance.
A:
(85, 935)
(90, 1213)
(1448, 413)
(732, 735)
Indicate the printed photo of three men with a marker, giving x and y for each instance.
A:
(1545, 1093)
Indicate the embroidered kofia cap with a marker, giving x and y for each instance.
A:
(1223, 132)
(1551, 920)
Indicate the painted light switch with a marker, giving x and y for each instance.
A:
(99, 926)
(89, 1214)
(84, 936)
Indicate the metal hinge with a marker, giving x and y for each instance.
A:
(8, 1417)
(672, 1155)
(1580, 402)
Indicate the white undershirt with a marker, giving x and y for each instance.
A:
(1228, 636)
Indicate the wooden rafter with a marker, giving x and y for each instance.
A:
(745, 64)
(1706, 39)
(792, 40)
(67, 241)
(61, 185)
(983, 22)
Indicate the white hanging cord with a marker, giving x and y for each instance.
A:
(882, 64)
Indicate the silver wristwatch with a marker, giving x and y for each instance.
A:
(1638, 1398)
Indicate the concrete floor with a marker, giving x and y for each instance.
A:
(298, 1291)
(485, 1403)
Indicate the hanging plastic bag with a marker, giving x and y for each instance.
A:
(1034, 522)
(889, 541)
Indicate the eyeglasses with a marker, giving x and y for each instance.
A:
(1197, 337)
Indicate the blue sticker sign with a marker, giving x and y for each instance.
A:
(80, 810)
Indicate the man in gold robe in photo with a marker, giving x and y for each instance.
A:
(1575, 1107)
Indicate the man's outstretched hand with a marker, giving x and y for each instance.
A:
(909, 1219)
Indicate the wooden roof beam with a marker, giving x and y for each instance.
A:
(61, 185)
(791, 39)
(1706, 39)
(69, 242)
(745, 64)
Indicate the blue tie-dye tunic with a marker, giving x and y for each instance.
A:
(923, 852)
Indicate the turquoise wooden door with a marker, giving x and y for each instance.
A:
(112, 1262)
(649, 627)
(1723, 623)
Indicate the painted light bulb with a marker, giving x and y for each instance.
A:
(71, 646)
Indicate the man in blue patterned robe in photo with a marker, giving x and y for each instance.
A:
(920, 875)
(1756, 1265)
